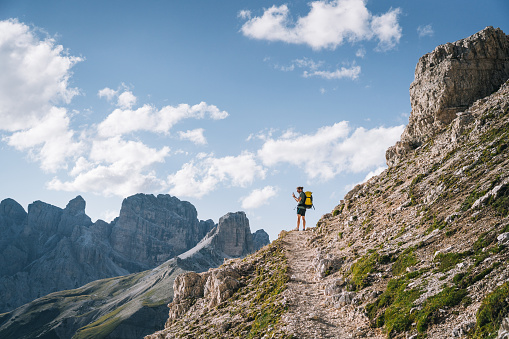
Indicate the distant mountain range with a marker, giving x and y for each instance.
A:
(50, 249)
(133, 305)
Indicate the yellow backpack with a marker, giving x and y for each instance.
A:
(308, 203)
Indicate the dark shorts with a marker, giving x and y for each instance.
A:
(301, 211)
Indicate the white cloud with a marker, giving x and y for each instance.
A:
(244, 14)
(108, 93)
(50, 142)
(331, 150)
(258, 197)
(116, 167)
(202, 175)
(195, 135)
(109, 215)
(387, 29)
(127, 154)
(148, 118)
(351, 73)
(111, 180)
(361, 53)
(308, 63)
(34, 76)
(368, 176)
(425, 31)
(327, 25)
(34, 79)
(126, 100)
(313, 69)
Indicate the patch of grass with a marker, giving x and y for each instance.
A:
(449, 260)
(492, 311)
(361, 269)
(501, 202)
(397, 301)
(430, 312)
(437, 224)
(469, 201)
(484, 241)
(100, 328)
(464, 280)
(417, 179)
(411, 189)
(273, 283)
(406, 259)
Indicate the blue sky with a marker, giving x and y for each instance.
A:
(227, 104)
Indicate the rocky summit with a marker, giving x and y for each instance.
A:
(448, 80)
(419, 251)
(48, 249)
(129, 306)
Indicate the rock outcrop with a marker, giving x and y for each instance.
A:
(231, 238)
(134, 305)
(50, 249)
(447, 81)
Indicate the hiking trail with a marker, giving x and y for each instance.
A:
(310, 315)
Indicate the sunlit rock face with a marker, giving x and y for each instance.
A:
(447, 81)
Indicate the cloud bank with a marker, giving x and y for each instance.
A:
(328, 24)
(331, 150)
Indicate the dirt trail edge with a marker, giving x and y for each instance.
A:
(311, 313)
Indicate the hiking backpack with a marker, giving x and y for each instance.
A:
(308, 203)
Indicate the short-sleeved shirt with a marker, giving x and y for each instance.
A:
(302, 201)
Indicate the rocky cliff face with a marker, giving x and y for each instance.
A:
(50, 249)
(447, 81)
(421, 250)
(231, 238)
(151, 230)
(129, 306)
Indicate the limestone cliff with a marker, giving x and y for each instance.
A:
(128, 306)
(447, 81)
(419, 251)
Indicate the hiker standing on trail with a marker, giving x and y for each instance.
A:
(301, 208)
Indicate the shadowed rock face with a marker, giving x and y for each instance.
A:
(234, 235)
(447, 81)
(151, 230)
(50, 249)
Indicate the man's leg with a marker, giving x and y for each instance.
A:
(303, 223)
(298, 221)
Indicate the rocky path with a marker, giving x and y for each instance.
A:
(309, 314)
